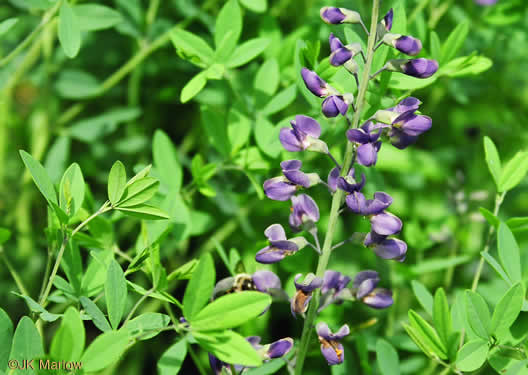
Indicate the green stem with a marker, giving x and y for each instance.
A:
(139, 302)
(338, 195)
(14, 273)
(48, 16)
(104, 208)
(196, 360)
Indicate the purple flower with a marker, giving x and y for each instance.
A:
(278, 348)
(386, 248)
(406, 44)
(335, 42)
(314, 83)
(331, 348)
(419, 68)
(304, 135)
(279, 246)
(333, 15)
(349, 184)
(284, 187)
(367, 138)
(265, 280)
(387, 20)
(304, 211)
(385, 223)
(333, 176)
(334, 105)
(364, 289)
(485, 2)
(334, 284)
(301, 299)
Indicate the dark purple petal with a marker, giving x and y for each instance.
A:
(356, 202)
(358, 136)
(332, 179)
(334, 356)
(391, 248)
(409, 104)
(298, 178)
(330, 281)
(342, 332)
(486, 2)
(335, 43)
(285, 245)
(349, 186)
(323, 330)
(265, 280)
(254, 341)
(386, 224)
(308, 126)
(387, 20)
(340, 56)
(280, 348)
(373, 238)
(290, 165)
(332, 15)
(216, 364)
(304, 210)
(408, 45)
(400, 139)
(275, 232)
(420, 68)
(268, 255)
(366, 287)
(289, 140)
(278, 190)
(367, 154)
(416, 125)
(314, 83)
(380, 202)
(379, 299)
(309, 284)
(334, 105)
(364, 276)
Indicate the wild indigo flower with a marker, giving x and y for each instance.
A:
(333, 15)
(341, 54)
(282, 188)
(304, 212)
(367, 137)
(364, 289)
(314, 83)
(279, 246)
(387, 20)
(301, 299)
(304, 135)
(405, 44)
(386, 248)
(333, 289)
(331, 348)
(334, 105)
(419, 68)
(332, 179)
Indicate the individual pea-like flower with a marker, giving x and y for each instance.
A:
(367, 138)
(387, 20)
(364, 289)
(301, 299)
(263, 281)
(486, 2)
(343, 54)
(304, 212)
(334, 16)
(403, 43)
(333, 289)
(331, 348)
(333, 176)
(314, 83)
(282, 188)
(279, 246)
(386, 248)
(419, 68)
(304, 135)
(334, 105)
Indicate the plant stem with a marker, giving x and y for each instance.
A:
(139, 302)
(196, 360)
(14, 273)
(104, 208)
(338, 195)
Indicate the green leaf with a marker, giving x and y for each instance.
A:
(424, 296)
(105, 350)
(69, 31)
(231, 311)
(96, 17)
(27, 343)
(238, 131)
(68, 342)
(6, 333)
(214, 124)
(492, 159)
(508, 309)
(478, 314)
(428, 335)
(230, 347)
(514, 171)
(509, 253)
(147, 325)
(257, 6)
(387, 358)
(435, 46)
(193, 87)
(496, 266)
(490, 218)
(5, 234)
(95, 313)
(442, 316)
(228, 27)
(192, 47)
(139, 192)
(40, 177)
(280, 100)
(95, 128)
(141, 174)
(77, 84)
(472, 355)
(419, 340)
(465, 65)
(7, 24)
(267, 137)
(36, 307)
(267, 79)
(438, 264)
(166, 161)
(71, 194)
(247, 51)
(116, 182)
(454, 42)
(115, 293)
(172, 359)
(144, 212)
(200, 287)
(183, 272)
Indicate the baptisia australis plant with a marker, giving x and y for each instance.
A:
(400, 125)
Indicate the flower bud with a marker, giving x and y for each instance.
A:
(333, 15)
(387, 20)
(314, 83)
(419, 68)
(406, 44)
(334, 105)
